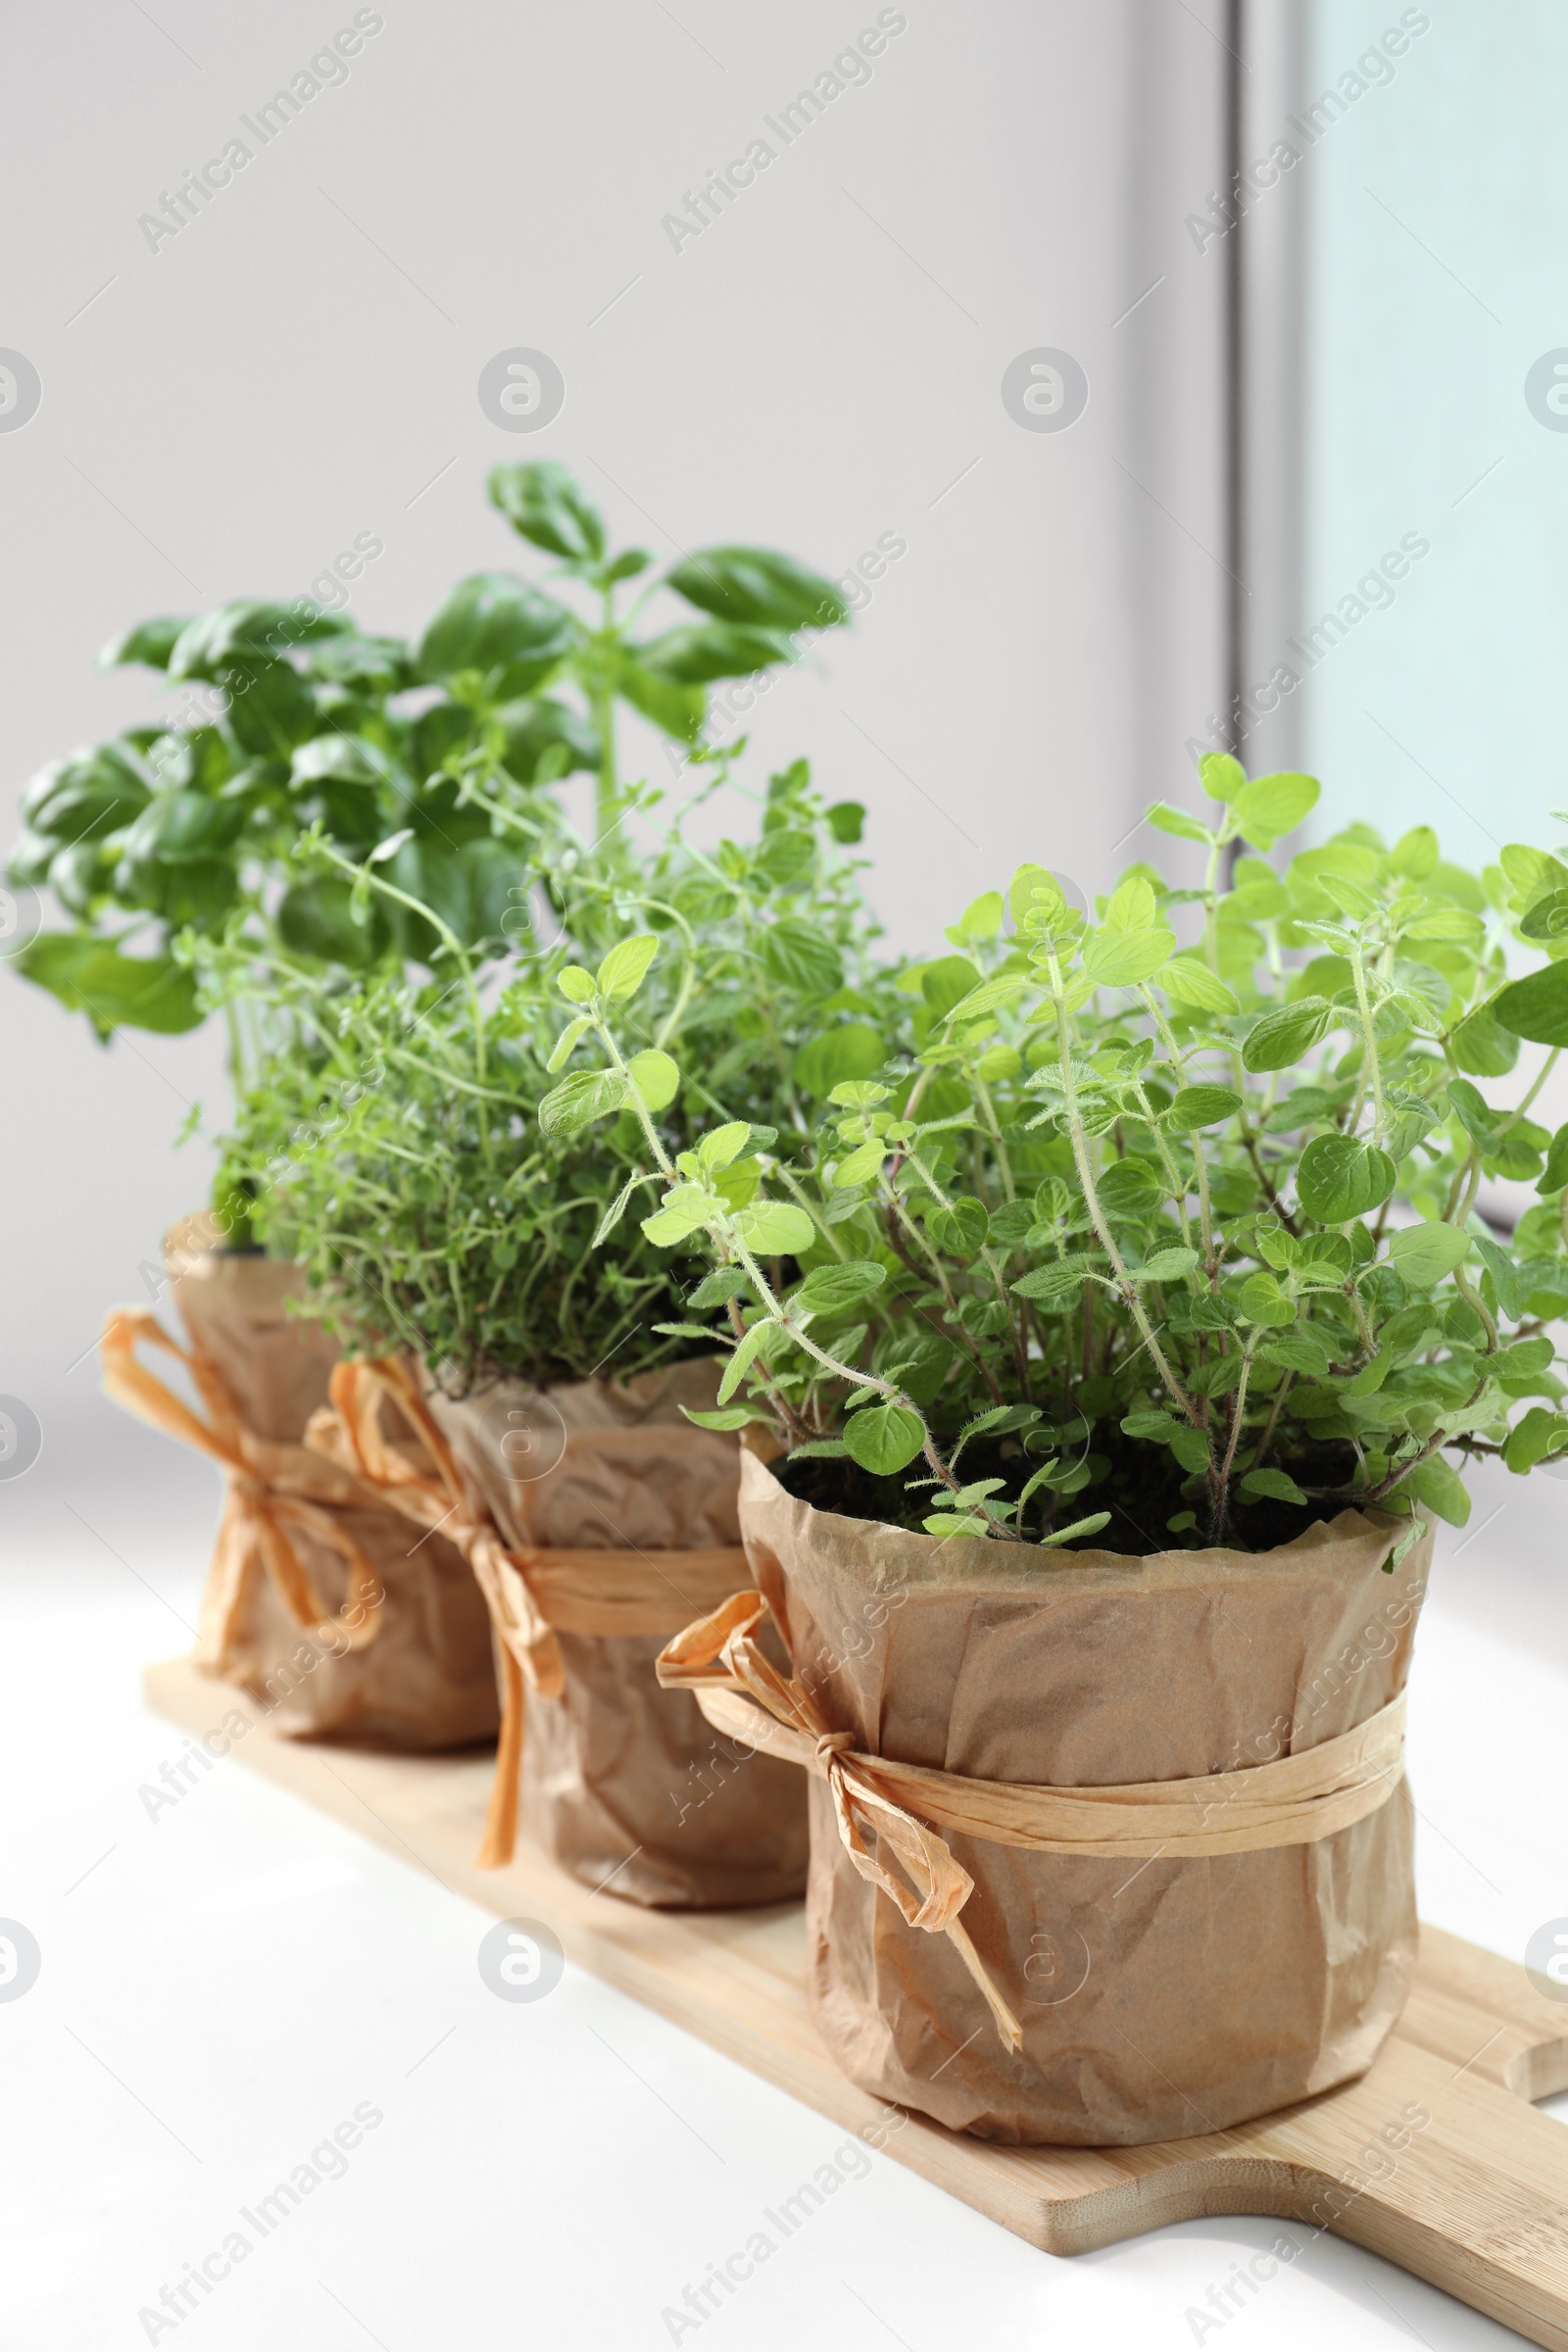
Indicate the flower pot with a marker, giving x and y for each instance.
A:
(1173, 1984)
(315, 1602)
(600, 1490)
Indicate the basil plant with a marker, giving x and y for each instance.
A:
(306, 749)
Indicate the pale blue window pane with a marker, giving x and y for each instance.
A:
(1438, 279)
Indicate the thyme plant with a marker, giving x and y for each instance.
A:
(1167, 1208)
(401, 1157)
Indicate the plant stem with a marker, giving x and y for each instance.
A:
(1086, 1177)
(1374, 1061)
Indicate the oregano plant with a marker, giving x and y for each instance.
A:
(1157, 1221)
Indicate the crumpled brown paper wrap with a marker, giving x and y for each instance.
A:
(425, 1680)
(1160, 1998)
(623, 1783)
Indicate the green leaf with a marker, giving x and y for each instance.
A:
(1555, 1175)
(655, 1077)
(775, 1229)
(746, 1349)
(1154, 1427)
(1080, 1527)
(1539, 1437)
(1190, 1448)
(1535, 1007)
(1471, 1110)
(829, 1290)
(945, 984)
(1166, 1265)
(1221, 776)
(720, 1286)
(723, 1144)
(846, 821)
(566, 1042)
(1281, 1038)
(1271, 806)
(819, 1450)
(1262, 1301)
(1131, 1188)
(962, 1227)
(679, 711)
(1055, 1280)
(617, 1208)
(150, 642)
(579, 1099)
(1507, 1279)
(1202, 1107)
(990, 996)
(625, 967)
(493, 621)
(1273, 1485)
(251, 631)
(547, 506)
(1443, 922)
(1415, 853)
(1187, 980)
(859, 1165)
(539, 728)
(1121, 958)
(1546, 919)
(730, 1416)
(321, 918)
(576, 985)
(1484, 1045)
(884, 1438)
(698, 652)
(344, 758)
(980, 919)
(115, 991)
(1370, 1378)
(1422, 1255)
(1166, 819)
(686, 1207)
(758, 588)
(952, 1523)
(838, 1057)
(796, 955)
(1441, 1490)
(1339, 1178)
(1132, 906)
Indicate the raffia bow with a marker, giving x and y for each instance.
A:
(430, 1492)
(741, 1693)
(1291, 1800)
(275, 1492)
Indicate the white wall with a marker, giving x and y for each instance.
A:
(823, 366)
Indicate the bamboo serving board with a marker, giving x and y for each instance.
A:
(1476, 2200)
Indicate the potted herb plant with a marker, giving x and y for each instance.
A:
(442, 1227)
(217, 861)
(1144, 1320)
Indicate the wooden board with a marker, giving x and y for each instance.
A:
(1476, 2201)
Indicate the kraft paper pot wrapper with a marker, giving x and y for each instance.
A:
(1159, 1998)
(623, 1783)
(426, 1681)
